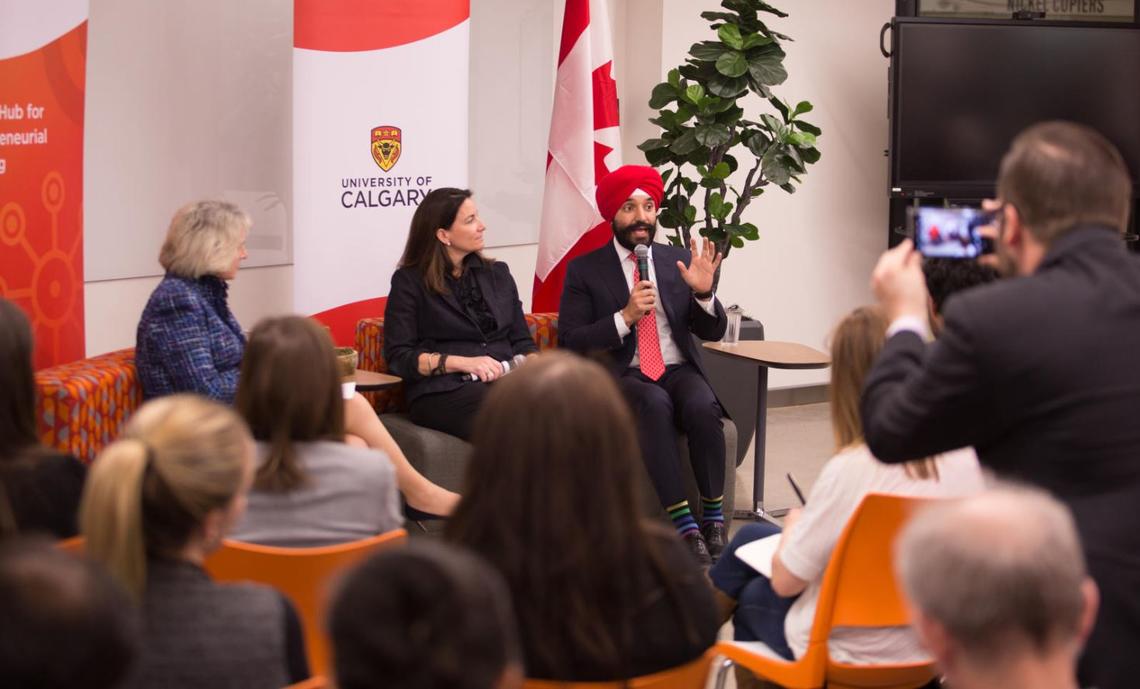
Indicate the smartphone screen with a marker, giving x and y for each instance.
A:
(949, 232)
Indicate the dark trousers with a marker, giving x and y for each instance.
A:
(452, 411)
(680, 400)
(760, 611)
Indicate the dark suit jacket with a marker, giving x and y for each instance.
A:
(1041, 374)
(418, 321)
(595, 289)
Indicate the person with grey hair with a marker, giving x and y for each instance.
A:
(188, 340)
(998, 589)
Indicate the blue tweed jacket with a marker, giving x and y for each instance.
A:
(188, 340)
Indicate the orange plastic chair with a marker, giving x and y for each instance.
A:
(75, 545)
(693, 675)
(858, 590)
(305, 575)
(312, 683)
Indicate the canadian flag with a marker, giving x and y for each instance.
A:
(584, 146)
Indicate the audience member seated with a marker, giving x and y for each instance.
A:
(999, 591)
(453, 315)
(779, 612)
(311, 488)
(189, 341)
(65, 623)
(42, 486)
(426, 616)
(552, 501)
(158, 501)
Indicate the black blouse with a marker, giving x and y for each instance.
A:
(466, 290)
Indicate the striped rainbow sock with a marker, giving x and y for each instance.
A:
(682, 517)
(712, 509)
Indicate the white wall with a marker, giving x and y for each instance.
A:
(817, 247)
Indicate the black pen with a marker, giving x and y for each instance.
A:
(799, 493)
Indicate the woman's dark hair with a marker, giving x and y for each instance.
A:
(427, 616)
(17, 380)
(424, 251)
(552, 499)
(289, 392)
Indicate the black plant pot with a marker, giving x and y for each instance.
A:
(734, 382)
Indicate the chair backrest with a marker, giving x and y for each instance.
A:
(859, 587)
(305, 575)
(692, 675)
(317, 682)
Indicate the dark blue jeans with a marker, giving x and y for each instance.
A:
(760, 612)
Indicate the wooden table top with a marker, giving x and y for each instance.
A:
(370, 381)
(773, 354)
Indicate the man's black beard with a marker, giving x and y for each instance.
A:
(623, 235)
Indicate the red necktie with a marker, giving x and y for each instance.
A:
(648, 342)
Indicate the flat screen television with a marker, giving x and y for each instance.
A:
(961, 90)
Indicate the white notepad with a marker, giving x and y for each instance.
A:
(758, 554)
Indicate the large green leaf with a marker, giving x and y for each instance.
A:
(807, 127)
(810, 155)
(713, 135)
(779, 105)
(765, 7)
(685, 112)
(689, 185)
(665, 178)
(757, 142)
(725, 87)
(736, 242)
(730, 117)
(730, 34)
(767, 69)
(685, 144)
(652, 144)
(732, 64)
(674, 78)
(772, 164)
(719, 105)
(708, 50)
(658, 157)
(772, 124)
(719, 17)
(666, 119)
(749, 231)
(663, 94)
(755, 40)
(694, 93)
(802, 107)
(720, 170)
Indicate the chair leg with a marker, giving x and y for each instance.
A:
(722, 673)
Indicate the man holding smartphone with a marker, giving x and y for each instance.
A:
(1038, 373)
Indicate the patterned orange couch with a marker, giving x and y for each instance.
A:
(83, 405)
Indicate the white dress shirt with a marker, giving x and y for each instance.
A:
(669, 351)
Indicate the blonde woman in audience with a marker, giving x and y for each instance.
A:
(552, 502)
(188, 340)
(158, 501)
(779, 611)
(311, 488)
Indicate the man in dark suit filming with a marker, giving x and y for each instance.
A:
(1039, 372)
(640, 311)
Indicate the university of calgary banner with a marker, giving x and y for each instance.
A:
(379, 120)
(43, 62)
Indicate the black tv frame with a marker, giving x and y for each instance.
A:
(960, 190)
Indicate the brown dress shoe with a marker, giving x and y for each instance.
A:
(698, 547)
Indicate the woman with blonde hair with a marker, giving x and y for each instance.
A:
(157, 502)
(188, 340)
(779, 611)
(311, 488)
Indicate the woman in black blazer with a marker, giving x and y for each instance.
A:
(453, 315)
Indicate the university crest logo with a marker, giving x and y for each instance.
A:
(386, 146)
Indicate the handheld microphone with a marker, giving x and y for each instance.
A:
(508, 366)
(642, 253)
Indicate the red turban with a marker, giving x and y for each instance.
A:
(615, 188)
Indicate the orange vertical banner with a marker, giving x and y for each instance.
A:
(43, 62)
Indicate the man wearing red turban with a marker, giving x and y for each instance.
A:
(643, 323)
